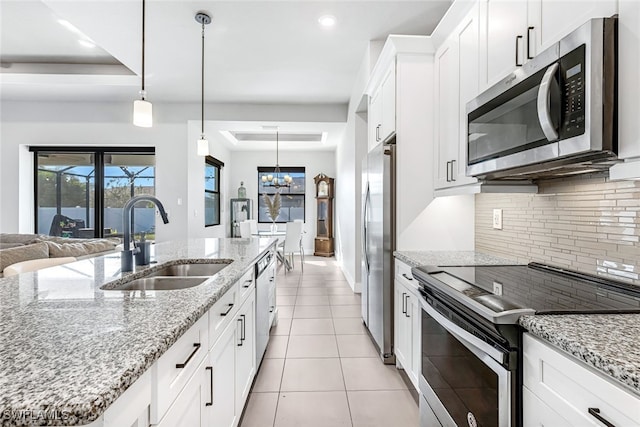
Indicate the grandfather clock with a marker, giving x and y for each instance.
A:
(324, 223)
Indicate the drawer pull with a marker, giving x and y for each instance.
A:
(404, 302)
(228, 310)
(249, 283)
(195, 349)
(210, 402)
(407, 277)
(595, 412)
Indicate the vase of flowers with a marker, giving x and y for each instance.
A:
(273, 209)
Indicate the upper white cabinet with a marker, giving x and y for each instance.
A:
(382, 109)
(456, 83)
(515, 31)
(628, 91)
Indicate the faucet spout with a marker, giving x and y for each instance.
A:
(127, 253)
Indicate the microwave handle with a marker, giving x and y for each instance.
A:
(544, 104)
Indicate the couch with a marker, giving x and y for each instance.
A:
(29, 252)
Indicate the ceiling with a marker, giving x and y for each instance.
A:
(256, 51)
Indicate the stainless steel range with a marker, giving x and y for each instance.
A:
(471, 340)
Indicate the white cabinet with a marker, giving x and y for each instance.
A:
(222, 411)
(273, 310)
(514, 31)
(407, 325)
(245, 351)
(568, 392)
(382, 109)
(456, 83)
(190, 407)
(628, 91)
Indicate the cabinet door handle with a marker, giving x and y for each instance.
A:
(407, 277)
(448, 179)
(244, 330)
(453, 162)
(195, 349)
(228, 310)
(241, 320)
(529, 42)
(247, 283)
(518, 38)
(595, 412)
(406, 303)
(210, 402)
(377, 133)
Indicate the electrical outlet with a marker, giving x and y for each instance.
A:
(497, 288)
(497, 219)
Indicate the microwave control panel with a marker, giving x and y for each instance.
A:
(572, 72)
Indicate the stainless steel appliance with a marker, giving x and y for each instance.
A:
(263, 308)
(555, 115)
(471, 342)
(378, 241)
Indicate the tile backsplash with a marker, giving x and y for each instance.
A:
(585, 223)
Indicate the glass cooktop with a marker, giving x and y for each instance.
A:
(539, 287)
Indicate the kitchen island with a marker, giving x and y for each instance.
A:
(70, 349)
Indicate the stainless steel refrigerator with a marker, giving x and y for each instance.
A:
(378, 244)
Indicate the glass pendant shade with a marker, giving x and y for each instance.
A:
(203, 147)
(142, 113)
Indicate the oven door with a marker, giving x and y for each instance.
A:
(461, 380)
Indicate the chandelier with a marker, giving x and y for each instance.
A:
(276, 179)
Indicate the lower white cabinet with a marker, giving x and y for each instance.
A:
(407, 327)
(562, 391)
(223, 380)
(245, 352)
(190, 407)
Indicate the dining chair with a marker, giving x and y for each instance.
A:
(254, 225)
(245, 229)
(291, 243)
(301, 221)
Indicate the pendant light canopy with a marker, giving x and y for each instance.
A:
(142, 109)
(203, 145)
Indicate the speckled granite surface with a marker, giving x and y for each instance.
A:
(608, 342)
(68, 346)
(418, 258)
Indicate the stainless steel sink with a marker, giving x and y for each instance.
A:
(160, 284)
(190, 270)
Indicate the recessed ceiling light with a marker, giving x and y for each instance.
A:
(327, 20)
(87, 43)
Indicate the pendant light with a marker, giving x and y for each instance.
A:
(274, 180)
(142, 109)
(203, 144)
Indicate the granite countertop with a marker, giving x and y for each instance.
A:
(607, 342)
(68, 346)
(444, 258)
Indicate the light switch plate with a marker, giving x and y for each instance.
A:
(497, 219)
(497, 288)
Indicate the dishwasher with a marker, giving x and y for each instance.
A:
(265, 302)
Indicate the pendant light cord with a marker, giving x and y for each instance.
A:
(143, 15)
(202, 86)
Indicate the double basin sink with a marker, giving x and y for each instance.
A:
(172, 277)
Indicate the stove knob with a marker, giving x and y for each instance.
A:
(471, 420)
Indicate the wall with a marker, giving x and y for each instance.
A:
(109, 124)
(587, 223)
(245, 168)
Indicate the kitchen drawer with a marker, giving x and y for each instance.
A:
(245, 285)
(172, 371)
(222, 312)
(403, 274)
(569, 387)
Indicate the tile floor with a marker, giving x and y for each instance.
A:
(320, 368)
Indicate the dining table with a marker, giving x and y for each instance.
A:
(280, 235)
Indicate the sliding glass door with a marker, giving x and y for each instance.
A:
(81, 192)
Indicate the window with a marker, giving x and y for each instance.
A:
(80, 192)
(292, 198)
(212, 191)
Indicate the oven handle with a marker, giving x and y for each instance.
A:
(461, 334)
(544, 104)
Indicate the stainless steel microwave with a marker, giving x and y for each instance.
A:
(553, 116)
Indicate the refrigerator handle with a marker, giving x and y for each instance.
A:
(365, 234)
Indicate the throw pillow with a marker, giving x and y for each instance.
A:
(23, 253)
